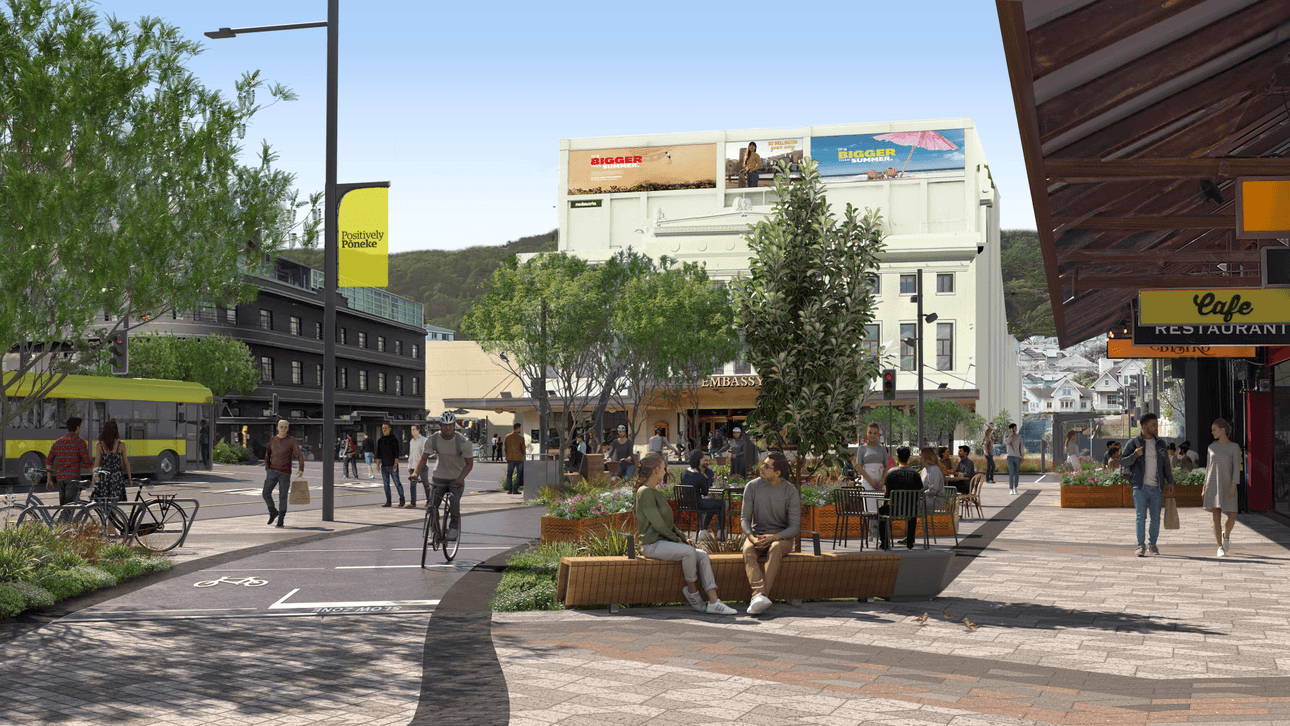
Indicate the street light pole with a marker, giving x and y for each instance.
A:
(918, 331)
(331, 262)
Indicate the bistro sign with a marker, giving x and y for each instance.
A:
(1119, 348)
(732, 382)
(1206, 308)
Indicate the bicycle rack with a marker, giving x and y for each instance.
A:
(54, 509)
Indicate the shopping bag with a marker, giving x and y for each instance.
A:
(1171, 513)
(299, 492)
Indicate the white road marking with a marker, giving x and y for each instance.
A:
(283, 605)
(264, 569)
(418, 549)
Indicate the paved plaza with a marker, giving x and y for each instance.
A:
(1071, 628)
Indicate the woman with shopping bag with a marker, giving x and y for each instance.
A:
(1222, 472)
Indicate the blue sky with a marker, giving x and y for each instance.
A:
(462, 109)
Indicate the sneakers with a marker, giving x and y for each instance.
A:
(1141, 551)
(452, 534)
(1227, 544)
(758, 605)
(694, 599)
(1222, 552)
(720, 608)
(1151, 550)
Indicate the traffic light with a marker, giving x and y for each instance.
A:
(889, 384)
(119, 352)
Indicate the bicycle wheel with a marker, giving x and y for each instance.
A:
(11, 515)
(159, 525)
(91, 515)
(449, 545)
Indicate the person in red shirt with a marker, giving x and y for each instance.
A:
(67, 457)
(278, 454)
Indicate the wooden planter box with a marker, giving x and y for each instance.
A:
(944, 524)
(555, 529)
(1190, 496)
(1095, 497)
(822, 519)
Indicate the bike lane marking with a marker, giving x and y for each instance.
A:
(282, 603)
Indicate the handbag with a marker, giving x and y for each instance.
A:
(299, 492)
(1171, 513)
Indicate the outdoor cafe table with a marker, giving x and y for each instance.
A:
(727, 495)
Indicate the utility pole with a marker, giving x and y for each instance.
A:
(918, 330)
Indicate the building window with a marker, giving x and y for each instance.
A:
(875, 284)
(297, 373)
(318, 375)
(230, 316)
(872, 339)
(266, 319)
(380, 382)
(318, 331)
(1067, 404)
(342, 377)
(380, 343)
(416, 386)
(742, 366)
(398, 347)
(398, 385)
(362, 380)
(945, 282)
(416, 351)
(945, 346)
(362, 339)
(908, 284)
(297, 328)
(342, 336)
(907, 357)
(266, 369)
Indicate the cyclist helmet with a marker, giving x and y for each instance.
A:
(447, 417)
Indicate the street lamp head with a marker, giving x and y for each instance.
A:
(221, 33)
(930, 317)
(911, 342)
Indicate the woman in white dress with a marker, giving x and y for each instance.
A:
(1222, 472)
(1072, 450)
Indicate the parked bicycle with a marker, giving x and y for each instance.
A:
(434, 533)
(12, 514)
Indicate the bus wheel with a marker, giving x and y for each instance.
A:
(27, 466)
(167, 465)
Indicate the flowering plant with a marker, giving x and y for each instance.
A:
(1092, 478)
(816, 496)
(594, 504)
(1193, 478)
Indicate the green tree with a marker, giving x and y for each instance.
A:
(121, 190)
(218, 362)
(1025, 286)
(803, 307)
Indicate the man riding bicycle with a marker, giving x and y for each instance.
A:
(456, 459)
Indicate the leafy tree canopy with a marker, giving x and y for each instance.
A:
(1025, 286)
(220, 363)
(121, 188)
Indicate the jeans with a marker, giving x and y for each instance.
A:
(989, 469)
(515, 469)
(761, 581)
(628, 471)
(695, 565)
(445, 486)
(1014, 472)
(753, 178)
(281, 480)
(393, 471)
(1148, 500)
(349, 466)
(67, 491)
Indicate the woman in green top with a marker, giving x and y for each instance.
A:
(661, 540)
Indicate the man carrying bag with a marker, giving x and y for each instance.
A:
(1145, 463)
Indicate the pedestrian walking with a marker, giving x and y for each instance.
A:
(497, 447)
(987, 449)
(349, 457)
(1016, 450)
(278, 454)
(67, 457)
(514, 448)
(110, 456)
(1147, 459)
(369, 452)
(737, 445)
(387, 452)
(658, 444)
(716, 443)
(1072, 450)
(204, 443)
(1222, 472)
(577, 449)
(416, 445)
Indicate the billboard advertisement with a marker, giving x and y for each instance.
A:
(643, 169)
(364, 254)
(869, 157)
(760, 173)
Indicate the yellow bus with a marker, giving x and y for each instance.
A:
(159, 422)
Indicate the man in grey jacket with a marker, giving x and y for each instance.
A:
(1147, 458)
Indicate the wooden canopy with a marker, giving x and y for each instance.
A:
(1136, 117)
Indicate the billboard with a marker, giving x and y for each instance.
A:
(364, 259)
(861, 157)
(770, 151)
(643, 169)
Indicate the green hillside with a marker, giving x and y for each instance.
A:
(1025, 288)
(445, 281)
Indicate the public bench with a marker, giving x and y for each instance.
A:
(632, 580)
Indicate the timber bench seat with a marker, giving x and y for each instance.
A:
(591, 581)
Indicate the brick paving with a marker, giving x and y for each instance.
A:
(1072, 629)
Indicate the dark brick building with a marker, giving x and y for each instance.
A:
(380, 355)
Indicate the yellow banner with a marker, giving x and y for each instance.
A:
(364, 238)
(1124, 348)
(1230, 306)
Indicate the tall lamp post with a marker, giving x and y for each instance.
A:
(917, 343)
(333, 194)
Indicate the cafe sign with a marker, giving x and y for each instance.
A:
(732, 382)
(1118, 348)
(1225, 306)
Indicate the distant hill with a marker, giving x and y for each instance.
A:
(1025, 286)
(447, 282)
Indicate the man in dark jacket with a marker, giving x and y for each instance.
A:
(388, 450)
(899, 477)
(1147, 458)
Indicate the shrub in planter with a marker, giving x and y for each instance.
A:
(226, 453)
(11, 601)
(63, 584)
(34, 596)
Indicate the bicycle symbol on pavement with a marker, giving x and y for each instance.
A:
(246, 581)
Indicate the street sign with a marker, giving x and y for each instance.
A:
(1262, 207)
(1124, 348)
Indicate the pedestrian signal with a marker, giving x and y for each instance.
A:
(889, 384)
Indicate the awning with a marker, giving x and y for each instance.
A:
(1136, 118)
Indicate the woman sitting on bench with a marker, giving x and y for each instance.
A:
(661, 540)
